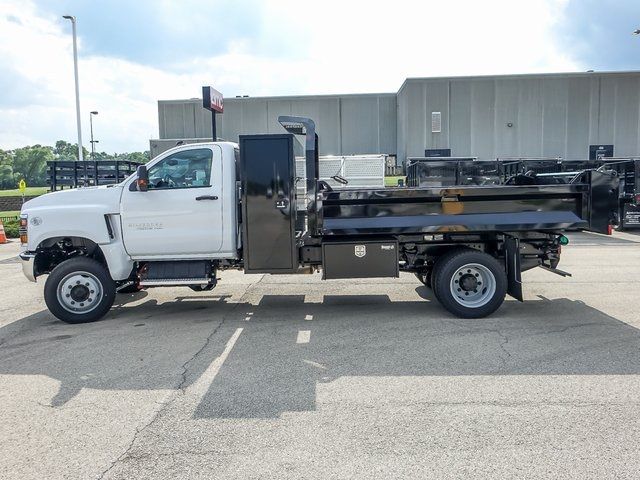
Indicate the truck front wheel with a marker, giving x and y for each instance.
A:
(470, 284)
(79, 290)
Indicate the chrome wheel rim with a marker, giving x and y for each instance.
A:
(473, 285)
(79, 292)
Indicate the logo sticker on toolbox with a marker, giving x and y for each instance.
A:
(360, 251)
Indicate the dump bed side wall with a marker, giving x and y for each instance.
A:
(465, 209)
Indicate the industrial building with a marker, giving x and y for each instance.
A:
(488, 117)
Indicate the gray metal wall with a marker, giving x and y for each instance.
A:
(347, 124)
(551, 115)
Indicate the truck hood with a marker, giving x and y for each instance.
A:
(106, 198)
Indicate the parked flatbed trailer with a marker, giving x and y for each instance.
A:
(196, 210)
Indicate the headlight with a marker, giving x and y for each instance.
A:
(24, 222)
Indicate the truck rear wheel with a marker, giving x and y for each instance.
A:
(469, 284)
(79, 290)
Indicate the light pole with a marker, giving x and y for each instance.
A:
(93, 142)
(75, 70)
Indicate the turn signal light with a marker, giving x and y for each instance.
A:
(24, 238)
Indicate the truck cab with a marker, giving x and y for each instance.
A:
(188, 209)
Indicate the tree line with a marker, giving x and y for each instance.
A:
(30, 163)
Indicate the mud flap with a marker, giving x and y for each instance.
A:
(603, 200)
(512, 267)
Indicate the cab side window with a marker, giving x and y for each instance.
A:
(187, 169)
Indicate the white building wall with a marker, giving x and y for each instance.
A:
(550, 115)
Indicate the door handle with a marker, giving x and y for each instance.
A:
(207, 197)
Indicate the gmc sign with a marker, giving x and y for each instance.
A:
(212, 99)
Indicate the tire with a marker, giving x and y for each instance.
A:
(478, 275)
(435, 271)
(91, 290)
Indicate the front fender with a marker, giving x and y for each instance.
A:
(84, 221)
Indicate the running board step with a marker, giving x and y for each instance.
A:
(187, 272)
(158, 282)
(181, 270)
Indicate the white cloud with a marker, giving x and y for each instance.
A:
(352, 47)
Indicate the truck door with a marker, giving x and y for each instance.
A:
(181, 214)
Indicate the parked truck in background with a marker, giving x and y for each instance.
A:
(197, 210)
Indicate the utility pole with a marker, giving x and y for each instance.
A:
(93, 142)
(75, 71)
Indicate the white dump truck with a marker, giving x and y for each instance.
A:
(199, 209)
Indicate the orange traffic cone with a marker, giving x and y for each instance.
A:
(3, 236)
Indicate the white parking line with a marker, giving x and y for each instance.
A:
(316, 364)
(303, 336)
(200, 386)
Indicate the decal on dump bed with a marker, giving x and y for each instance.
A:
(360, 250)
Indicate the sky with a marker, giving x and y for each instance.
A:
(133, 53)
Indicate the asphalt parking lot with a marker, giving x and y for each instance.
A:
(290, 377)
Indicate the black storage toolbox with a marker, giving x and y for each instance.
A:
(267, 169)
(360, 259)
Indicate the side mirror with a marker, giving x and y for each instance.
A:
(142, 182)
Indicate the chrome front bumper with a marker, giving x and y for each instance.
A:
(28, 261)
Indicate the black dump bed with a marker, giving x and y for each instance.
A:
(589, 204)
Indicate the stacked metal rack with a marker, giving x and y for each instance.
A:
(71, 174)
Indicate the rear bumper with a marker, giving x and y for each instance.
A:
(28, 263)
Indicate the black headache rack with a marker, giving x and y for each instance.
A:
(373, 222)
